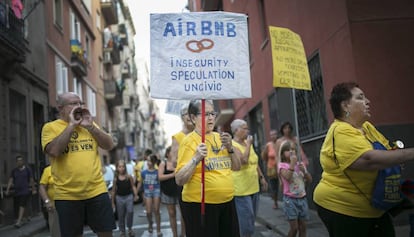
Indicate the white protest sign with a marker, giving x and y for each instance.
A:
(200, 55)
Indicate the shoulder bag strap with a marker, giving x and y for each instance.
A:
(337, 163)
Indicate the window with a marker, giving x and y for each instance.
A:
(75, 32)
(91, 101)
(98, 20)
(77, 87)
(311, 111)
(61, 77)
(57, 13)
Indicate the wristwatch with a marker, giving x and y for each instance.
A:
(47, 201)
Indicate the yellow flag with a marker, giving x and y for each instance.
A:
(290, 67)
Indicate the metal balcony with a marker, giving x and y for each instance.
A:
(123, 34)
(13, 46)
(112, 93)
(126, 71)
(108, 8)
(78, 60)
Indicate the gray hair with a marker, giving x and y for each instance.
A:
(61, 98)
(184, 109)
(237, 123)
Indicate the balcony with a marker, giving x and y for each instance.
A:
(13, 46)
(126, 71)
(78, 59)
(112, 93)
(111, 50)
(108, 8)
(123, 34)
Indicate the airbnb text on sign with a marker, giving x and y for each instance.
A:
(200, 55)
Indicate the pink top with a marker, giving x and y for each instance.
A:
(296, 187)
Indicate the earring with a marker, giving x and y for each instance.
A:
(347, 114)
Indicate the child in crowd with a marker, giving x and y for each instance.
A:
(125, 194)
(293, 176)
(152, 193)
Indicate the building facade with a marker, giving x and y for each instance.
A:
(83, 46)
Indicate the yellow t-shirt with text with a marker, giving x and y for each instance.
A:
(77, 171)
(219, 186)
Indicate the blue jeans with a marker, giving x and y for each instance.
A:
(246, 207)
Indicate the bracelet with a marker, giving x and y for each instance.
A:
(194, 161)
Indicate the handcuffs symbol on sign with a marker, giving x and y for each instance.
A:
(198, 46)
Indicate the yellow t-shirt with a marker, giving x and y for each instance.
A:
(246, 180)
(77, 171)
(179, 137)
(47, 180)
(335, 191)
(219, 186)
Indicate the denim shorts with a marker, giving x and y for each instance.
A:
(295, 208)
(152, 193)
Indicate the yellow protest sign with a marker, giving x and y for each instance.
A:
(290, 67)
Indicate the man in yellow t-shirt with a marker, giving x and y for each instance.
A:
(72, 143)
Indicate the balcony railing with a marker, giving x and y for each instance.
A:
(109, 12)
(12, 42)
(123, 34)
(113, 94)
(112, 47)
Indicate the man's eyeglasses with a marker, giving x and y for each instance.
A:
(79, 103)
(213, 114)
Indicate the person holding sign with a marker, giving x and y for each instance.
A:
(220, 159)
(350, 166)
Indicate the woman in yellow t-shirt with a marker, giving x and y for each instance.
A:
(246, 180)
(220, 159)
(350, 167)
